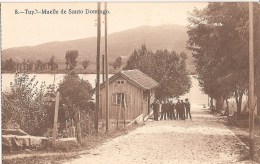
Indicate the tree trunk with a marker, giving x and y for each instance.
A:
(219, 104)
(239, 109)
(211, 103)
(78, 128)
(227, 111)
(238, 97)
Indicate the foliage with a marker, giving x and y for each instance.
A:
(25, 105)
(85, 63)
(71, 57)
(27, 65)
(117, 63)
(39, 65)
(166, 67)
(218, 37)
(75, 94)
(8, 64)
(52, 64)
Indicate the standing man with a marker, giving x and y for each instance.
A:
(182, 110)
(178, 107)
(168, 109)
(172, 108)
(187, 106)
(155, 106)
(164, 110)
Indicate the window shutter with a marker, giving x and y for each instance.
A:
(114, 98)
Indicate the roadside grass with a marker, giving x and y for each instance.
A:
(52, 159)
(242, 126)
(65, 150)
(241, 130)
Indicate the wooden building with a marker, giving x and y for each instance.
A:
(130, 95)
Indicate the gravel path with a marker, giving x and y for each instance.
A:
(203, 140)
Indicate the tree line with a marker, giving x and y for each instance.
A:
(12, 65)
(31, 105)
(27, 65)
(218, 38)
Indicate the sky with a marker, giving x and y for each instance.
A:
(28, 30)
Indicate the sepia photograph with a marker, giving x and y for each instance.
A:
(128, 83)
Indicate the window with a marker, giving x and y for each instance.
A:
(119, 98)
(120, 82)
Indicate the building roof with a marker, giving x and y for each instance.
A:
(137, 77)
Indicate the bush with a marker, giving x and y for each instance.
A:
(24, 105)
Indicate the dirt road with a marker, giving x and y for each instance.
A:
(203, 140)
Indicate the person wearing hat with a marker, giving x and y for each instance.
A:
(171, 110)
(178, 108)
(155, 106)
(187, 106)
(164, 109)
(182, 110)
(168, 112)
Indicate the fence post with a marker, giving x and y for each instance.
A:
(54, 134)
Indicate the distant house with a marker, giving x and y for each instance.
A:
(131, 89)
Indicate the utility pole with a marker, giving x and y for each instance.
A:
(251, 95)
(103, 68)
(107, 81)
(98, 67)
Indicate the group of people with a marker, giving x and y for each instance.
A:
(169, 110)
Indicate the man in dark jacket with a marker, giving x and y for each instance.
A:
(182, 110)
(155, 106)
(171, 109)
(164, 110)
(168, 112)
(178, 107)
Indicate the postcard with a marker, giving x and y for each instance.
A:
(146, 82)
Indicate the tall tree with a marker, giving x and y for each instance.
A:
(85, 63)
(71, 57)
(9, 64)
(218, 37)
(52, 64)
(117, 63)
(38, 65)
(75, 94)
(166, 67)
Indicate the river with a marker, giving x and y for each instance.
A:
(195, 95)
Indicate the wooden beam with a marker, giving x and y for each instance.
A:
(107, 81)
(251, 95)
(125, 106)
(54, 133)
(103, 68)
(98, 67)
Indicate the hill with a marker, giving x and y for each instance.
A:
(122, 43)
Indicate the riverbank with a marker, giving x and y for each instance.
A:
(66, 150)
